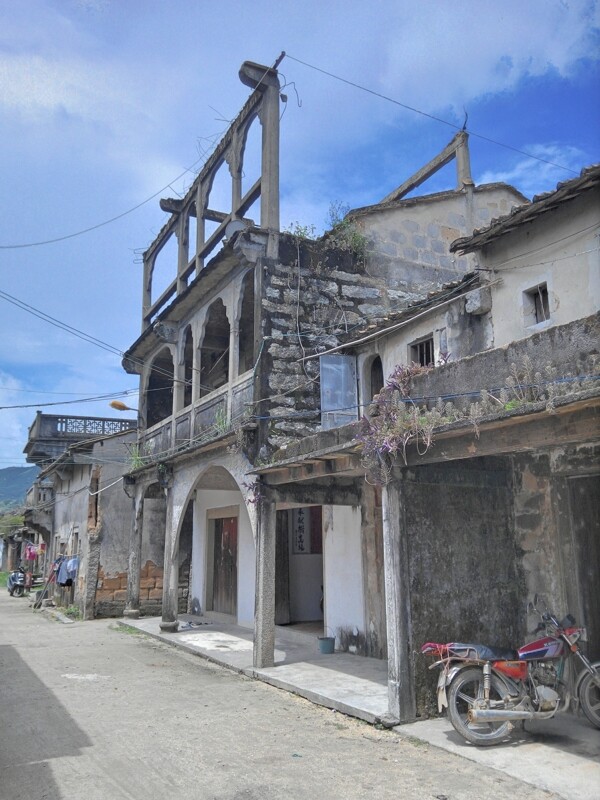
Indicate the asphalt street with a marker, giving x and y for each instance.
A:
(92, 711)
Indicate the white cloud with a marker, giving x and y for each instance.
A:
(534, 176)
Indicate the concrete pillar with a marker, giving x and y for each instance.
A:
(147, 290)
(132, 607)
(264, 607)
(169, 622)
(401, 692)
(182, 233)
(463, 161)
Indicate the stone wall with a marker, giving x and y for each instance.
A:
(314, 294)
(465, 572)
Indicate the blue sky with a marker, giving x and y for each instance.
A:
(104, 102)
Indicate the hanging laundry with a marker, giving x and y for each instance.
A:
(62, 578)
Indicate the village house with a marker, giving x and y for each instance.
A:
(260, 353)
(476, 471)
(79, 509)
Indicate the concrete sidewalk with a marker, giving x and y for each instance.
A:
(560, 755)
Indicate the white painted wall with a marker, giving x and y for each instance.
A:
(306, 580)
(559, 249)
(210, 499)
(342, 564)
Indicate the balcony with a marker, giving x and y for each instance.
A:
(50, 435)
(207, 419)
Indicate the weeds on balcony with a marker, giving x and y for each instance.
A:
(395, 421)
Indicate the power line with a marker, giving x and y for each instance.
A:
(430, 116)
(106, 222)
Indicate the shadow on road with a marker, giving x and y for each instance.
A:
(35, 728)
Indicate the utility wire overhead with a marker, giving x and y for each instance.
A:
(430, 116)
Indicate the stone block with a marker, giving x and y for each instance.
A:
(411, 225)
(159, 583)
(103, 594)
(419, 241)
(457, 219)
(154, 571)
(111, 583)
(155, 594)
(120, 596)
(147, 583)
(360, 292)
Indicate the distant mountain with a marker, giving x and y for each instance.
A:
(14, 483)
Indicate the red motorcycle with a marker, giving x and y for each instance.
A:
(491, 688)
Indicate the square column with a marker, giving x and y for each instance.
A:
(169, 621)
(132, 607)
(401, 689)
(264, 607)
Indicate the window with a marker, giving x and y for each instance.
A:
(536, 306)
(377, 381)
(421, 352)
(339, 394)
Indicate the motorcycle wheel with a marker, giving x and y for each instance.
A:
(589, 697)
(466, 691)
(18, 591)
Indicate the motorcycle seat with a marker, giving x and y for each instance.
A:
(482, 652)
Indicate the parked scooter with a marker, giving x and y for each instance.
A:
(18, 583)
(491, 688)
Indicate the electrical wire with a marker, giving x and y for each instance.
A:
(101, 224)
(430, 116)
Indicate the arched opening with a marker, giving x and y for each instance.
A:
(223, 554)
(192, 233)
(188, 366)
(246, 325)
(252, 156)
(376, 381)
(214, 350)
(164, 271)
(159, 392)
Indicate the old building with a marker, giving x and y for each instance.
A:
(79, 508)
(485, 466)
(249, 349)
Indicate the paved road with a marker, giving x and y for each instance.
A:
(89, 712)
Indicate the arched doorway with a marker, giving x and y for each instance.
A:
(223, 552)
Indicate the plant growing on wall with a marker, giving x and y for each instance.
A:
(344, 232)
(394, 420)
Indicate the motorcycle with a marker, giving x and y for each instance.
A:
(488, 689)
(20, 581)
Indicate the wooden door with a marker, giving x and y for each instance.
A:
(224, 597)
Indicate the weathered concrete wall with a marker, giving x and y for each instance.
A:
(559, 249)
(466, 583)
(343, 577)
(557, 496)
(567, 348)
